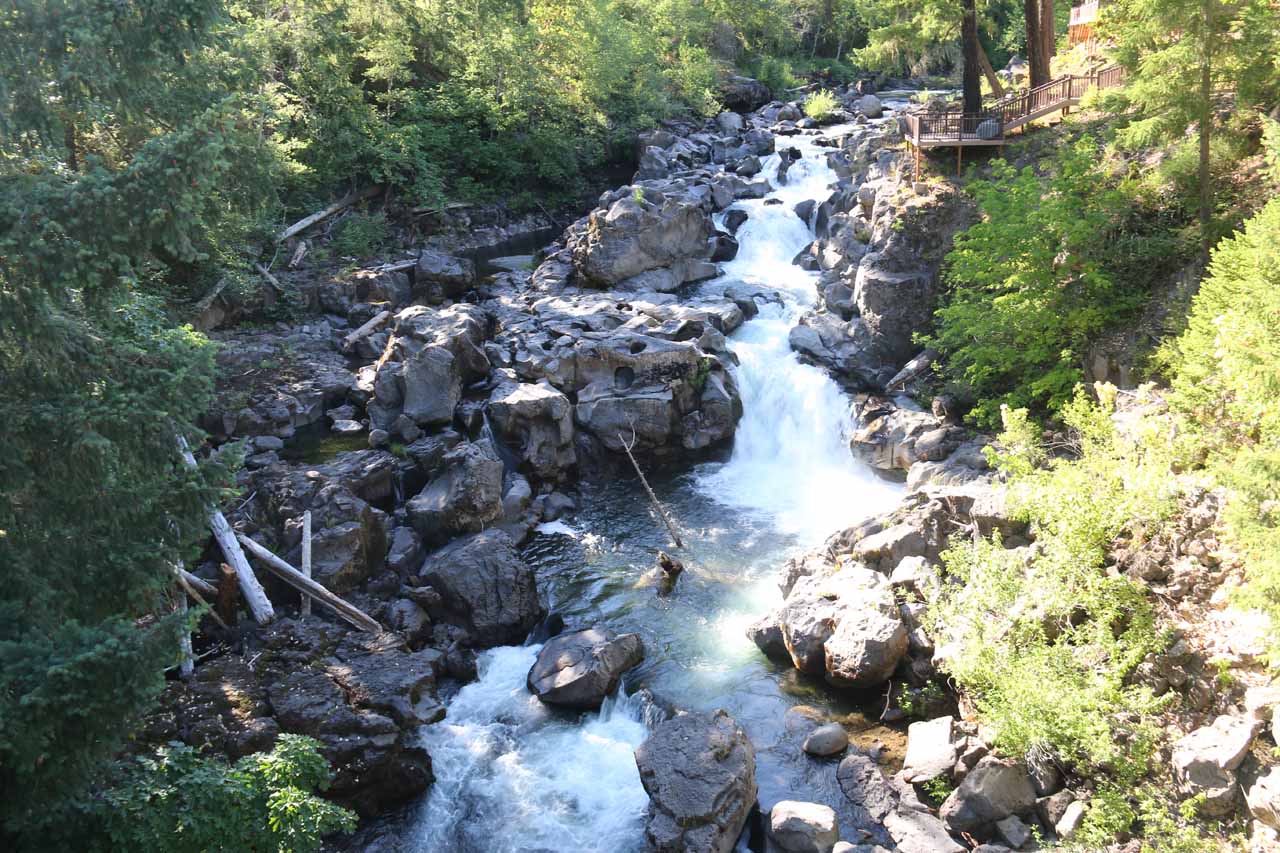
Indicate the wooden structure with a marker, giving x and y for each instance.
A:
(1083, 19)
(993, 125)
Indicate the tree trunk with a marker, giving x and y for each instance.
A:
(1037, 70)
(1206, 125)
(1048, 36)
(304, 584)
(969, 37)
(993, 80)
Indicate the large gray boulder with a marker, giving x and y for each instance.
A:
(485, 588)
(743, 94)
(579, 669)
(634, 237)
(796, 827)
(464, 497)
(1205, 761)
(536, 420)
(992, 791)
(700, 773)
(845, 626)
(439, 276)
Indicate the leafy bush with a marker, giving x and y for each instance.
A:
(1226, 383)
(1029, 286)
(1043, 638)
(180, 801)
(360, 235)
(821, 105)
(776, 74)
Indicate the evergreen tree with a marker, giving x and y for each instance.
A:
(102, 185)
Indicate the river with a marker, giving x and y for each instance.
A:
(513, 775)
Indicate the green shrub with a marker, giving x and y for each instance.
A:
(776, 74)
(1043, 638)
(821, 105)
(360, 235)
(180, 801)
(1226, 384)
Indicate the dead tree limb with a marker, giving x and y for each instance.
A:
(306, 222)
(254, 596)
(662, 513)
(298, 254)
(302, 583)
(271, 280)
(306, 558)
(367, 329)
(194, 593)
(201, 585)
(187, 666)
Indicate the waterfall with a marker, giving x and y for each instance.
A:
(513, 774)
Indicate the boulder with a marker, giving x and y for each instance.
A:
(536, 421)
(870, 106)
(796, 827)
(729, 122)
(931, 750)
(916, 831)
(464, 497)
(638, 236)
(579, 669)
(1264, 798)
(700, 773)
(824, 741)
(743, 94)
(485, 588)
(439, 276)
(1205, 761)
(992, 791)
(865, 648)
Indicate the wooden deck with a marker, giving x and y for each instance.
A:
(991, 126)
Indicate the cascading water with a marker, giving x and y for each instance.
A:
(515, 775)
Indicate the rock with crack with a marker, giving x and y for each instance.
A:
(581, 668)
(536, 421)
(700, 773)
(484, 588)
(993, 790)
(464, 497)
(654, 237)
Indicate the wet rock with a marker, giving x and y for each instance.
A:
(931, 750)
(828, 740)
(463, 498)
(796, 827)
(1205, 761)
(895, 438)
(485, 588)
(734, 219)
(992, 791)
(723, 247)
(535, 420)
(579, 669)
(699, 772)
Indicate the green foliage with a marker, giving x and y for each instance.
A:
(1226, 377)
(1043, 639)
(360, 235)
(1030, 286)
(179, 801)
(777, 75)
(821, 105)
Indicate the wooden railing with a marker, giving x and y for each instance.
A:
(938, 128)
(996, 120)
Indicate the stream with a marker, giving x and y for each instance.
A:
(513, 775)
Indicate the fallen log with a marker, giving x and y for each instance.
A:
(194, 593)
(201, 585)
(271, 280)
(367, 329)
(254, 596)
(320, 215)
(304, 584)
(298, 254)
(398, 266)
(306, 558)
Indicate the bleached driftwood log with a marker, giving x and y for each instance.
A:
(304, 584)
(320, 215)
(364, 331)
(306, 558)
(254, 595)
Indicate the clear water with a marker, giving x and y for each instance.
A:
(515, 776)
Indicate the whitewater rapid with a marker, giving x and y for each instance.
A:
(513, 775)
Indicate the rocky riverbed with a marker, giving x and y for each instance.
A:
(740, 318)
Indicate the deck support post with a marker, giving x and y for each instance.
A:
(959, 158)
